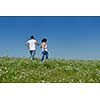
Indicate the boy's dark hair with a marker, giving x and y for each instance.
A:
(32, 37)
(44, 40)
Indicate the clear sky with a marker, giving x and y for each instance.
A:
(68, 37)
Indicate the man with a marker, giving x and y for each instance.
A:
(31, 44)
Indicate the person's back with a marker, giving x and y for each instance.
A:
(31, 44)
(44, 46)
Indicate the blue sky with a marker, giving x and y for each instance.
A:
(72, 37)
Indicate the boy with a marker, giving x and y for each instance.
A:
(31, 44)
(44, 49)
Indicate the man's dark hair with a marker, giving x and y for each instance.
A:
(44, 40)
(32, 37)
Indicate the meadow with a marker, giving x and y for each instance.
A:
(24, 70)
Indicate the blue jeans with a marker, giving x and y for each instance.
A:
(44, 54)
(32, 54)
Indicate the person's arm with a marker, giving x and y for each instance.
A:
(41, 46)
(36, 43)
(27, 44)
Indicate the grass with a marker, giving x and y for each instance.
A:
(24, 70)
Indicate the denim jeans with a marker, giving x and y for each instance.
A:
(32, 54)
(44, 54)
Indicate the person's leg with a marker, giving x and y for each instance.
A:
(46, 55)
(42, 56)
(33, 54)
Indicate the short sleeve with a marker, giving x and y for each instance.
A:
(34, 40)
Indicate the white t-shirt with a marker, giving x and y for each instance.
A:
(32, 45)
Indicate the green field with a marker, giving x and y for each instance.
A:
(24, 70)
